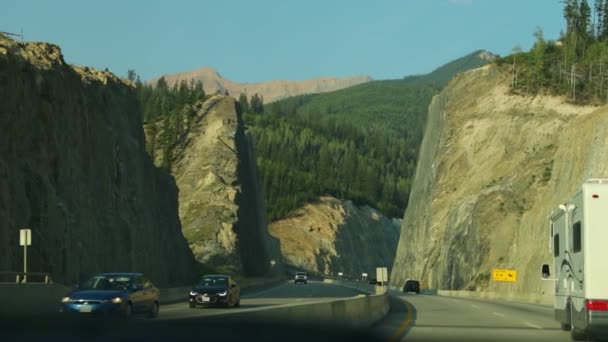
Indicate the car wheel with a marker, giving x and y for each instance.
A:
(575, 334)
(128, 311)
(154, 311)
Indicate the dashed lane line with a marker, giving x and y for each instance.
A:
(533, 325)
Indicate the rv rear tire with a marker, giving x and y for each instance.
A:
(575, 334)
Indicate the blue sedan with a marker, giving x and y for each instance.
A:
(113, 294)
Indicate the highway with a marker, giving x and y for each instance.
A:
(435, 318)
(286, 293)
(178, 322)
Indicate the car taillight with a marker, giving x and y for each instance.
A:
(597, 305)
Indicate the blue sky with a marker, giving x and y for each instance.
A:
(249, 41)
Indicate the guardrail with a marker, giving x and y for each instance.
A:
(25, 277)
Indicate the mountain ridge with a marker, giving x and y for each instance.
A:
(271, 90)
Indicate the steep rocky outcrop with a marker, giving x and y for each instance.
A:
(270, 90)
(220, 204)
(332, 236)
(74, 169)
(492, 166)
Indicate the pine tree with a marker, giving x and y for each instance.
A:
(161, 84)
(199, 91)
(584, 22)
(244, 103)
(604, 32)
(599, 15)
(131, 75)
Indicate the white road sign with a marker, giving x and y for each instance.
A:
(25, 237)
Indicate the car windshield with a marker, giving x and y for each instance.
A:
(109, 283)
(301, 273)
(213, 282)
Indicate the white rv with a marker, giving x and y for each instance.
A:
(579, 243)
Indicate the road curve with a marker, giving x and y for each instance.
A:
(286, 293)
(436, 318)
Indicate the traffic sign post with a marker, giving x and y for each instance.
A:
(25, 239)
(382, 275)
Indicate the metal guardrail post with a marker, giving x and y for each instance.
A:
(17, 278)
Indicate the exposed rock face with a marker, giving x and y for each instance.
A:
(220, 207)
(333, 236)
(492, 166)
(270, 90)
(74, 169)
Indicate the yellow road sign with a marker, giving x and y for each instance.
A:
(504, 275)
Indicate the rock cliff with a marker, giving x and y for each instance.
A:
(332, 236)
(74, 169)
(220, 204)
(491, 168)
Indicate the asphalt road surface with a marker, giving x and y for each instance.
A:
(286, 293)
(178, 322)
(435, 318)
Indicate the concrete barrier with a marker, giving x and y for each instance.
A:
(542, 299)
(362, 287)
(361, 311)
(31, 298)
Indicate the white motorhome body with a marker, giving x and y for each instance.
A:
(579, 242)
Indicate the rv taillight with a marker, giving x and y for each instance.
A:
(595, 196)
(597, 305)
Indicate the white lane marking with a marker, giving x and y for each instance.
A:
(173, 309)
(475, 306)
(299, 299)
(499, 314)
(533, 325)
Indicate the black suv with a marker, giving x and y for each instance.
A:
(411, 286)
(300, 277)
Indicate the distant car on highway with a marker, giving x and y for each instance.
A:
(113, 294)
(300, 278)
(215, 290)
(411, 286)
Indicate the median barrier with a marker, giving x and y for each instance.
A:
(31, 298)
(359, 286)
(361, 311)
(542, 299)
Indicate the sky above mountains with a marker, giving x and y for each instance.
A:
(250, 41)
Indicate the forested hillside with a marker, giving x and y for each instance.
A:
(574, 65)
(359, 143)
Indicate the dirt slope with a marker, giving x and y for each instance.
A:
(332, 236)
